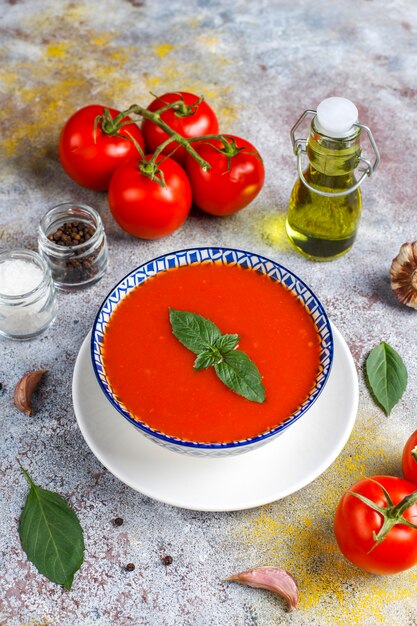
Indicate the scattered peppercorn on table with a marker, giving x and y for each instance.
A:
(258, 66)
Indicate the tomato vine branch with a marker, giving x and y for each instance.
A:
(154, 116)
(109, 125)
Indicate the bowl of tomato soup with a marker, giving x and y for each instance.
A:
(148, 375)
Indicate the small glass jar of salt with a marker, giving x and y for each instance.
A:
(27, 294)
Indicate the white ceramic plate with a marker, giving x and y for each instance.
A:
(220, 484)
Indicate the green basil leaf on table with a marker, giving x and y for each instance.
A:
(51, 534)
(387, 375)
(239, 373)
(233, 367)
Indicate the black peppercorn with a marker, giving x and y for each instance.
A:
(130, 567)
(72, 240)
(73, 234)
(118, 521)
(167, 560)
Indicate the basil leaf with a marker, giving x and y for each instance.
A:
(241, 375)
(226, 343)
(51, 534)
(233, 367)
(194, 331)
(204, 360)
(387, 376)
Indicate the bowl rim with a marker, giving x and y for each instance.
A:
(169, 439)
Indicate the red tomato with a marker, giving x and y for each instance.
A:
(200, 120)
(355, 522)
(145, 208)
(91, 163)
(231, 183)
(409, 461)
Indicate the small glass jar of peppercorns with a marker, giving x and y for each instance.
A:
(72, 241)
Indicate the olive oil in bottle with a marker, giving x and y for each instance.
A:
(326, 202)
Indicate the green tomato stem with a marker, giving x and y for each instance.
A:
(405, 504)
(110, 126)
(155, 117)
(391, 514)
(123, 114)
(170, 105)
(161, 148)
(229, 147)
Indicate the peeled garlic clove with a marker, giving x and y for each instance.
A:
(403, 275)
(273, 579)
(25, 388)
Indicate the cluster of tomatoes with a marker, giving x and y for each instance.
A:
(151, 186)
(376, 519)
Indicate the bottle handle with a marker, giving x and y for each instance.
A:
(300, 147)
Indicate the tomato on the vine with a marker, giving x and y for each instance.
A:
(91, 146)
(192, 117)
(375, 528)
(235, 178)
(143, 206)
(409, 460)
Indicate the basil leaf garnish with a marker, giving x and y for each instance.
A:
(51, 534)
(204, 360)
(239, 373)
(194, 331)
(225, 343)
(387, 375)
(234, 368)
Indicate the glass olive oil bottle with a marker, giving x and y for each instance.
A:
(325, 204)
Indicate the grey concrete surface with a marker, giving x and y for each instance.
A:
(259, 65)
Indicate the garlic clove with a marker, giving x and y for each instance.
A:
(403, 275)
(273, 579)
(25, 388)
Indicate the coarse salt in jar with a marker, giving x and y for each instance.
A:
(27, 294)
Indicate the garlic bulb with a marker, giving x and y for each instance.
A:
(403, 275)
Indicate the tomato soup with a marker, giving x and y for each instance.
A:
(152, 373)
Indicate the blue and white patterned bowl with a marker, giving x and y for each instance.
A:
(227, 256)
